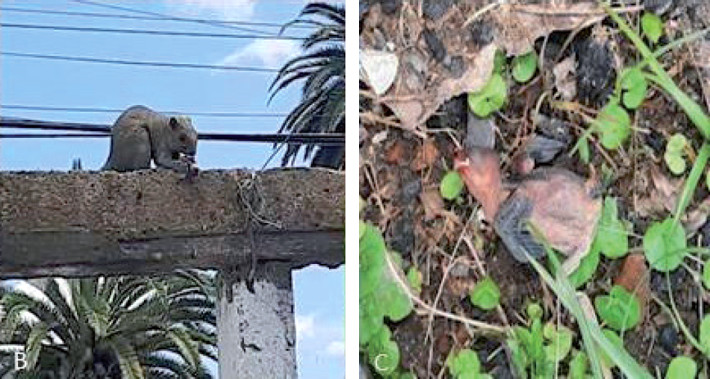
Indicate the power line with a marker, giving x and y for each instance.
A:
(166, 17)
(150, 32)
(115, 110)
(104, 130)
(138, 63)
(151, 18)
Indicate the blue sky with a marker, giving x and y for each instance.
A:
(319, 292)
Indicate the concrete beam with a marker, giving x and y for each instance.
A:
(88, 223)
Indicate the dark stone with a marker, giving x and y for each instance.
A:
(411, 189)
(434, 9)
(481, 33)
(390, 6)
(595, 71)
(452, 114)
(658, 7)
(656, 140)
(402, 232)
(436, 47)
(668, 338)
(456, 66)
(543, 150)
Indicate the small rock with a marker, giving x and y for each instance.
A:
(411, 189)
(436, 47)
(390, 6)
(480, 132)
(658, 7)
(380, 68)
(434, 9)
(542, 149)
(481, 33)
(668, 338)
(595, 70)
(456, 66)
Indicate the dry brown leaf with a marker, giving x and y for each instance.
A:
(432, 202)
(395, 153)
(634, 277)
(697, 217)
(413, 108)
(521, 24)
(426, 155)
(663, 197)
(702, 61)
(564, 78)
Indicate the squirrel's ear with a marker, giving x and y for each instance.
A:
(174, 123)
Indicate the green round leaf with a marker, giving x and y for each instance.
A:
(560, 342)
(676, 143)
(707, 179)
(706, 274)
(620, 310)
(674, 155)
(499, 61)
(682, 368)
(587, 268)
(534, 311)
(664, 245)
(414, 277)
(464, 362)
(635, 86)
(578, 366)
(675, 163)
(394, 303)
(704, 335)
(451, 185)
(383, 353)
(524, 67)
(614, 125)
(371, 319)
(490, 98)
(612, 236)
(372, 259)
(652, 26)
(486, 294)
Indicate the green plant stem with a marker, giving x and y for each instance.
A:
(690, 107)
(693, 178)
(688, 335)
(591, 332)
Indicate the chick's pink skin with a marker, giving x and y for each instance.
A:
(480, 171)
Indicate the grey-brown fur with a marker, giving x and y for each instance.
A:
(140, 135)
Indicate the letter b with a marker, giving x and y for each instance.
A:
(20, 360)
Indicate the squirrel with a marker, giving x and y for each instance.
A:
(140, 135)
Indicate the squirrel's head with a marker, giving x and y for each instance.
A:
(184, 135)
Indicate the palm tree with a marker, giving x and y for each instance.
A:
(116, 327)
(322, 66)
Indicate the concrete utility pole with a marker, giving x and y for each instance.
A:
(86, 223)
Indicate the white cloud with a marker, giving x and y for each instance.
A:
(221, 9)
(269, 53)
(305, 326)
(336, 348)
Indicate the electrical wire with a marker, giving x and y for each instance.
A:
(104, 130)
(166, 17)
(139, 63)
(115, 110)
(149, 32)
(152, 18)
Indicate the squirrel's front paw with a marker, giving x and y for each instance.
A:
(192, 171)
